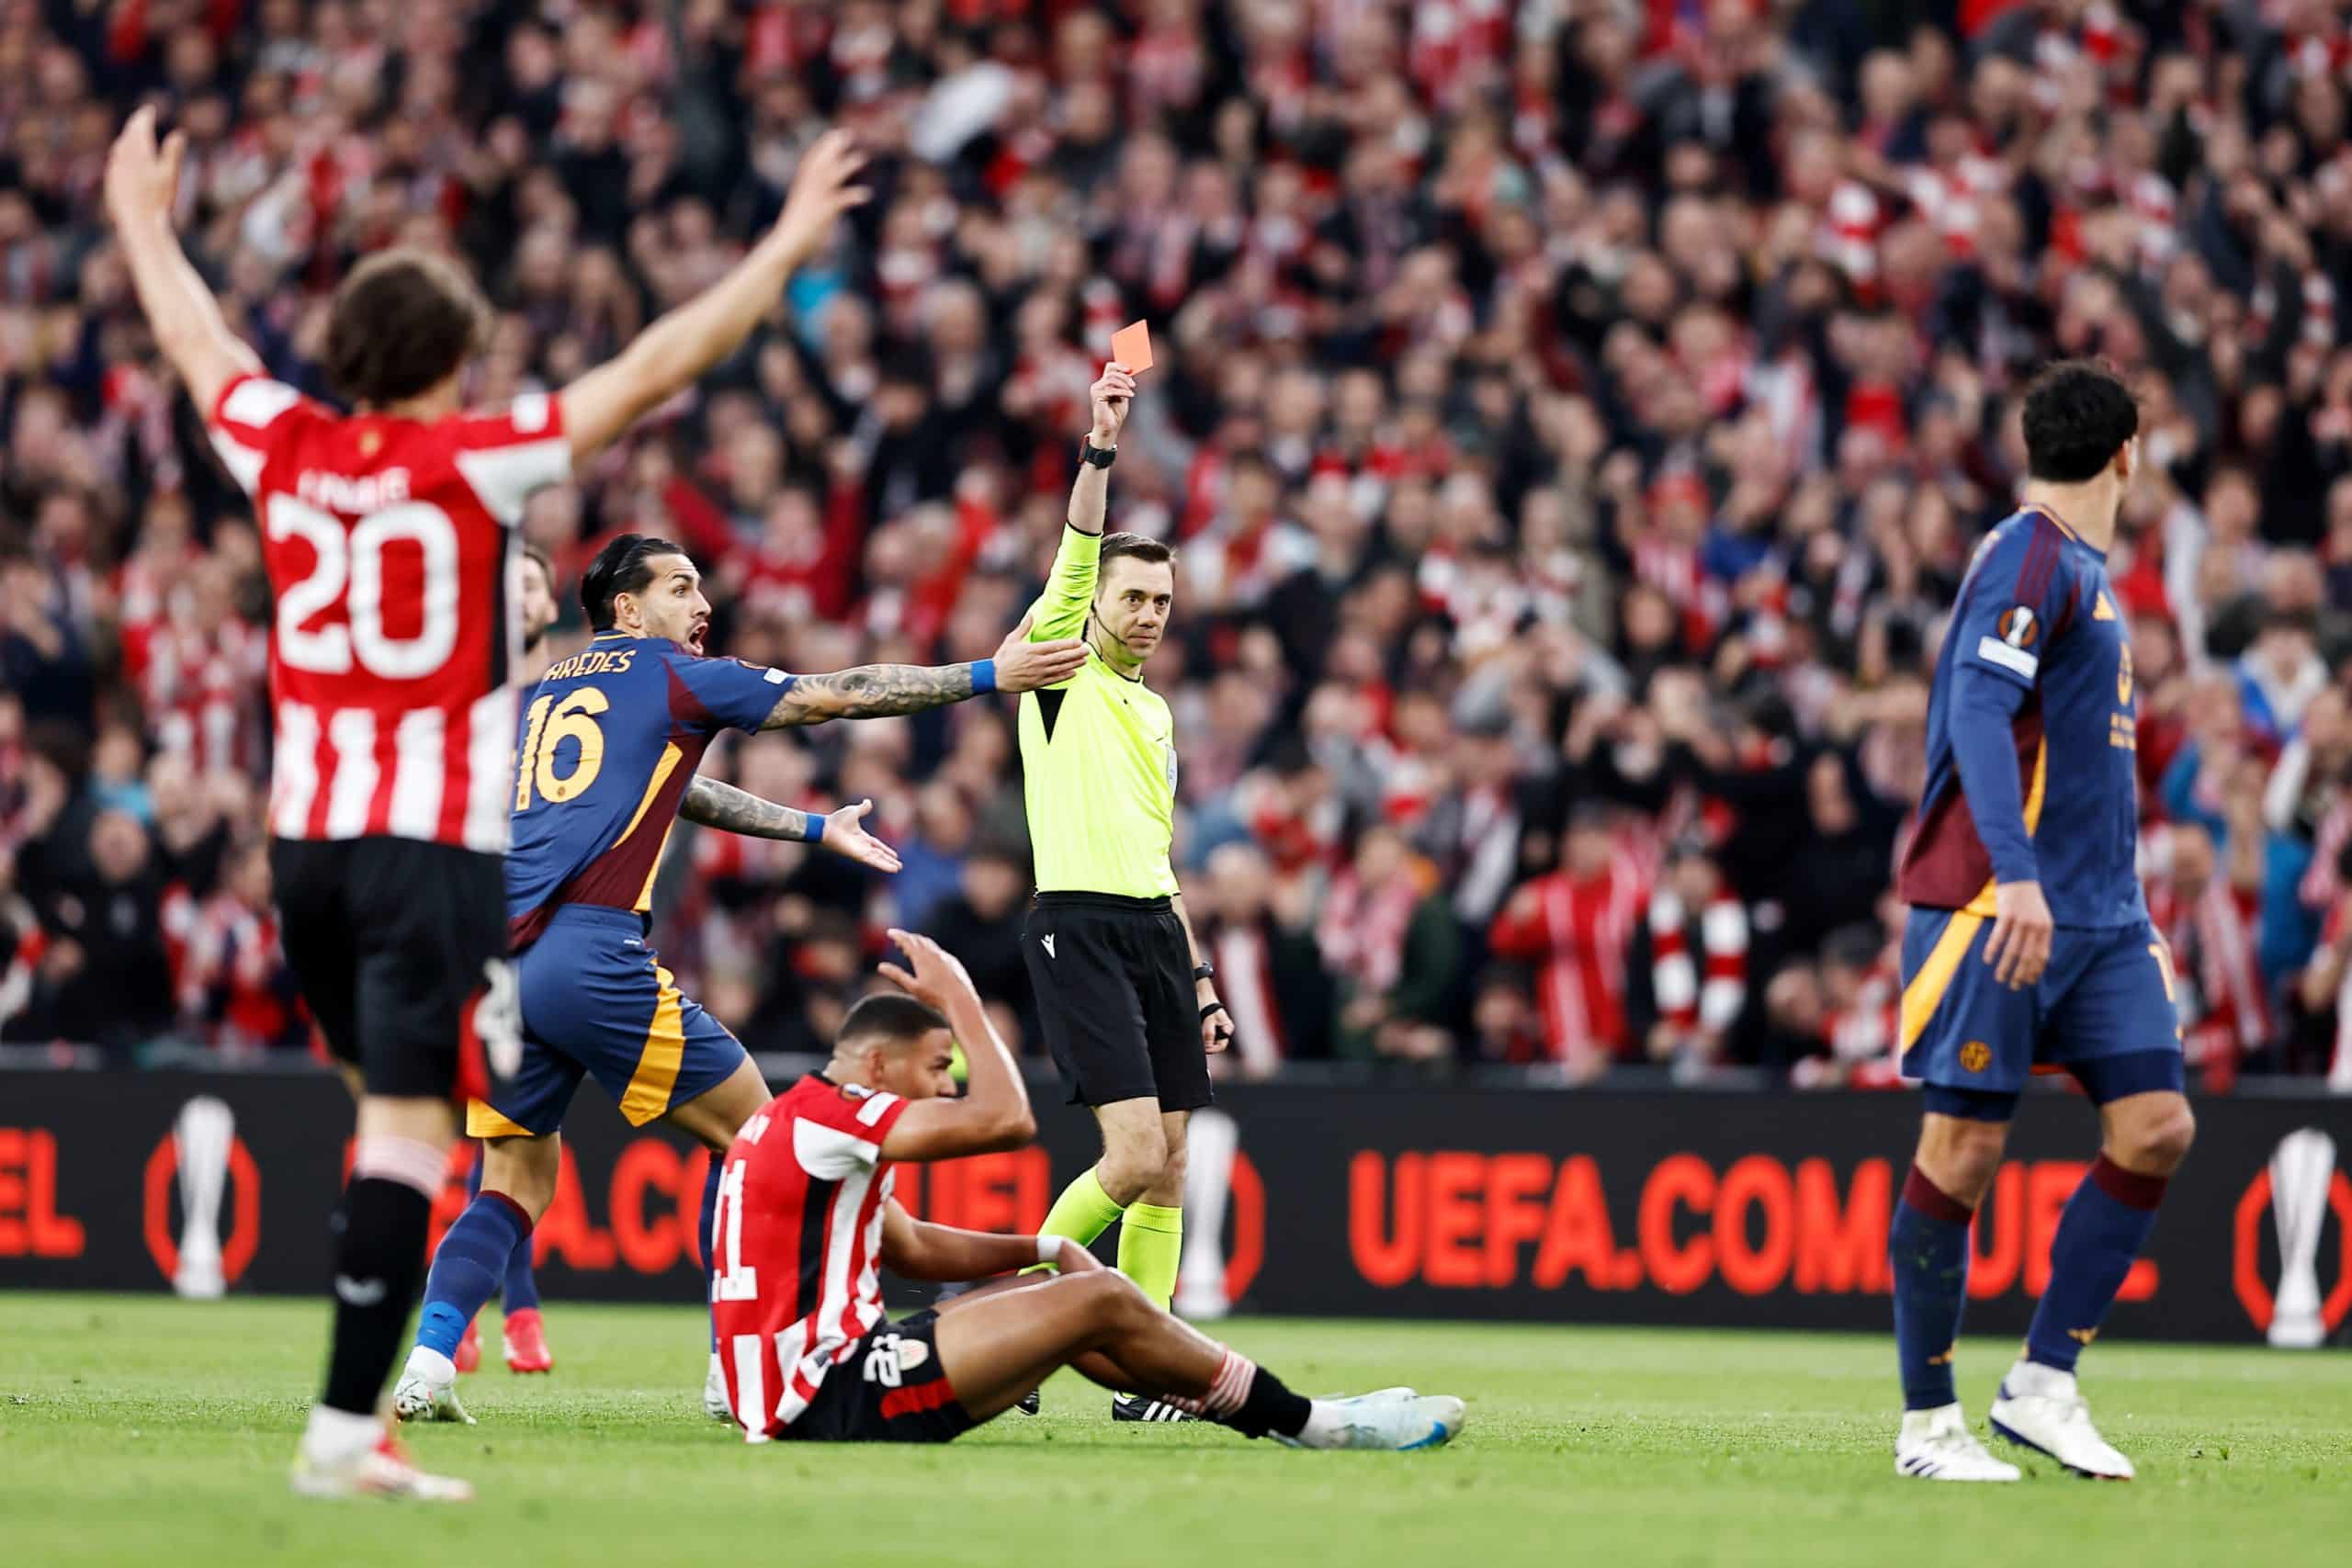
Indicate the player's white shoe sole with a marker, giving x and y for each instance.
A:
(714, 1394)
(2058, 1426)
(421, 1395)
(382, 1472)
(1395, 1419)
(1936, 1445)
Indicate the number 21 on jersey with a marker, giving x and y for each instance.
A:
(552, 721)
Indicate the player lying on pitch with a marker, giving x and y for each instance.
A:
(805, 1215)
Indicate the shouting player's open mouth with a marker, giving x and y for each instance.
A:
(694, 634)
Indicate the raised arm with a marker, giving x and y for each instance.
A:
(993, 1113)
(669, 355)
(731, 810)
(141, 182)
(1060, 611)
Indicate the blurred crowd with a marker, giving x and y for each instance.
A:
(1573, 418)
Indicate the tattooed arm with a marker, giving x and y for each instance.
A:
(870, 691)
(722, 806)
(877, 691)
(731, 810)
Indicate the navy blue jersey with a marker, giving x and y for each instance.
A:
(2030, 736)
(609, 739)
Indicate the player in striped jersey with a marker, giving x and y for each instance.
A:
(806, 1220)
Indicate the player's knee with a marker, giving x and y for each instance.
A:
(1112, 1300)
(2157, 1141)
(1961, 1156)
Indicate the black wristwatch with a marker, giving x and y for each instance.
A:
(1204, 971)
(1094, 456)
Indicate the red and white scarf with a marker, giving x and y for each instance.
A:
(1685, 999)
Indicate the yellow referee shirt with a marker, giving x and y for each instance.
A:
(1098, 756)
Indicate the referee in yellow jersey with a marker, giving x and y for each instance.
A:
(1130, 1010)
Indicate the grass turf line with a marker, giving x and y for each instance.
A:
(145, 1429)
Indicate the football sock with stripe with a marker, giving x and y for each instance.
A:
(520, 1290)
(469, 1267)
(1151, 1245)
(378, 1253)
(2101, 1234)
(1927, 1249)
(710, 1243)
(1250, 1399)
(1083, 1212)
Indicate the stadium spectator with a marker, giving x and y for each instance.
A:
(1561, 407)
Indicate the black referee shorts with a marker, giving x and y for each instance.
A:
(396, 944)
(1114, 978)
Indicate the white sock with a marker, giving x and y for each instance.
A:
(337, 1436)
(2028, 1379)
(432, 1366)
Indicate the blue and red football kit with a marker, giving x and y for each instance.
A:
(609, 739)
(2031, 778)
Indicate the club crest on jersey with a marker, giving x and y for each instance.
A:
(2018, 627)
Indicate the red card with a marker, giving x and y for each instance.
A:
(1131, 346)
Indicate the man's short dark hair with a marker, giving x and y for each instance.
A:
(889, 1017)
(403, 321)
(1139, 546)
(625, 566)
(2077, 415)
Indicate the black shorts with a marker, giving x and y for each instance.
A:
(1114, 978)
(399, 947)
(891, 1390)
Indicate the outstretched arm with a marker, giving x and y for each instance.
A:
(732, 810)
(878, 690)
(141, 182)
(669, 355)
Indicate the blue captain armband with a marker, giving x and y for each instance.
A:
(983, 676)
(815, 829)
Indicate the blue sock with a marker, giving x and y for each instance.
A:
(2105, 1225)
(710, 1242)
(1927, 1247)
(521, 1291)
(467, 1268)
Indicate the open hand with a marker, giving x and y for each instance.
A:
(822, 191)
(1025, 666)
(846, 835)
(939, 980)
(141, 179)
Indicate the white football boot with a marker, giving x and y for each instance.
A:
(347, 1456)
(714, 1394)
(2039, 1408)
(1936, 1445)
(1394, 1418)
(428, 1389)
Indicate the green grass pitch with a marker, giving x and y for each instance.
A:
(148, 1430)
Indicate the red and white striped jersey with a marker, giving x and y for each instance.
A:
(396, 627)
(800, 1242)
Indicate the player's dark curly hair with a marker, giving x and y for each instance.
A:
(403, 321)
(887, 1015)
(2077, 414)
(623, 566)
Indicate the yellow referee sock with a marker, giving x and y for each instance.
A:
(1151, 1244)
(1083, 1212)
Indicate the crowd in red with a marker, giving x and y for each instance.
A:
(1574, 417)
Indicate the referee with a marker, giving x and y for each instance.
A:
(1130, 1011)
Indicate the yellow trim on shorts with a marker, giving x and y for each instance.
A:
(1925, 992)
(665, 1049)
(483, 1121)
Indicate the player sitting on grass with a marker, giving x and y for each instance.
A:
(2031, 785)
(611, 739)
(806, 1216)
